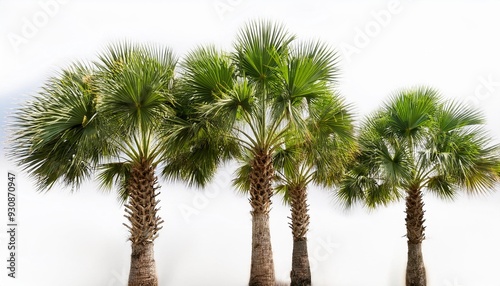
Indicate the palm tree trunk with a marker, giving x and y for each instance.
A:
(144, 224)
(142, 266)
(301, 271)
(415, 268)
(262, 265)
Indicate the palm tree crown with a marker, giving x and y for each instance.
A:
(418, 140)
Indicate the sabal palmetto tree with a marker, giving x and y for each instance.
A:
(101, 120)
(418, 142)
(319, 157)
(248, 101)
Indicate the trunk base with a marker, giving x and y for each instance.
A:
(415, 269)
(301, 271)
(142, 266)
(262, 268)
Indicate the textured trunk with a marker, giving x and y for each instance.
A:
(415, 269)
(262, 266)
(142, 266)
(262, 269)
(301, 271)
(144, 224)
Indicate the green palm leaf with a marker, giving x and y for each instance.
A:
(139, 94)
(416, 140)
(115, 175)
(57, 136)
(259, 47)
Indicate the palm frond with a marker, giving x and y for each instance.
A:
(139, 94)
(232, 107)
(242, 174)
(115, 175)
(197, 162)
(57, 135)
(207, 73)
(455, 116)
(441, 186)
(260, 45)
(410, 112)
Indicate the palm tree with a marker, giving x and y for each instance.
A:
(101, 120)
(320, 157)
(418, 142)
(243, 105)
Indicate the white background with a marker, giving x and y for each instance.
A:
(76, 239)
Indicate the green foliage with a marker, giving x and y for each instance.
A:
(416, 140)
(116, 174)
(139, 95)
(321, 153)
(270, 95)
(260, 46)
(100, 117)
(55, 134)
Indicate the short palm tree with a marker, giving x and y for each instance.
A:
(418, 142)
(101, 120)
(318, 155)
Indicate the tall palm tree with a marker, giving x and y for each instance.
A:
(319, 157)
(101, 120)
(260, 47)
(248, 101)
(418, 142)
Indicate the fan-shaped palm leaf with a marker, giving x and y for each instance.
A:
(56, 136)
